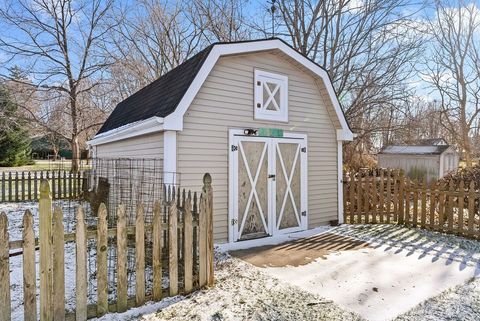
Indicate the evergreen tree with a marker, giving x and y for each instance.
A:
(15, 143)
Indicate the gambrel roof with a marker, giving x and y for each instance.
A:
(162, 104)
(159, 98)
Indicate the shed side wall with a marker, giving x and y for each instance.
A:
(146, 146)
(226, 101)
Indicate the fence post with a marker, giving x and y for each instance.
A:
(401, 205)
(352, 197)
(202, 242)
(45, 240)
(423, 218)
(122, 280)
(102, 247)
(157, 251)
(58, 265)
(29, 275)
(471, 208)
(188, 244)
(81, 266)
(173, 245)
(208, 192)
(461, 206)
(140, 256)
(5, 304)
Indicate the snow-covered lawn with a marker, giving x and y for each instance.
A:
(15, 213)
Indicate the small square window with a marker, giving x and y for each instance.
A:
(271, 96)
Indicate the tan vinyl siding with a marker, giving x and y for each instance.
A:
(226, 101)
(146, 146)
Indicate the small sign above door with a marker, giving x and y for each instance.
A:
(270, 132)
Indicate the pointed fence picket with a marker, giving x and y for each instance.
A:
(390, 197)
(187, 255)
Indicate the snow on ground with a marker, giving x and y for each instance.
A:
(242, 292)
(15, 213)
(460, 303)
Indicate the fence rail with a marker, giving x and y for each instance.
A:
(181, 244)
(389, 197)
(25, 185)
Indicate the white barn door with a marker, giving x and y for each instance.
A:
(268, 190)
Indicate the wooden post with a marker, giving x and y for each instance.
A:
(359, 198)
(395, 195)
(433, 204)
(102, 247)
(188, 244)
(352, 197)
(16, 187)
(366, 193)
(208, 192)
(3, 187)
(81, 272)
(29, 274)
(122, 281)
(54, 188)
(157, 251)
(35, 186)
(408, 190)
(202, 244)
(58, 265)
(388, 206)
(173, 246)
(5, 303)
(461, 205)
(449, 212)
(10, 190)
(140, 256)
(381, 204)
(29, 190)
(374, 198)
(401, 198)
(415, 189)
(441, 206)
(471, 208)
(423, 218)
(45, 240)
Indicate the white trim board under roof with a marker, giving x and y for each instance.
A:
(174, 120)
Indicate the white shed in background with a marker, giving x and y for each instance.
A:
(432, 158)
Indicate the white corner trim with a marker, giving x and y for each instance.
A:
(170, 157)
(174, 121)
(340, 181)
(147, 126)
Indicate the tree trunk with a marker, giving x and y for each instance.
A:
(75, 154)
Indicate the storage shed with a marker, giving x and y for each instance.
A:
(260, 117)
(431, 158)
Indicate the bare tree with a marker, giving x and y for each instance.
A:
(58, 42)
(151, 37)
(453, 69)
(221, 20)
(368, 47)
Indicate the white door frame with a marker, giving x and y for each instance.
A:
(233, 170)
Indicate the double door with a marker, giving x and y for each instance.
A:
(269, 186)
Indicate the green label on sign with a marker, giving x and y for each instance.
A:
(270, 132)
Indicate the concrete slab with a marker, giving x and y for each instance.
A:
(378, 282)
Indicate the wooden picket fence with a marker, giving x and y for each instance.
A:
(386, 196)
(182, 249)
(25, 186)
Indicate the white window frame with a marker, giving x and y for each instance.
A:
(273, 115)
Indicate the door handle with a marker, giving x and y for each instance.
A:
(271, 176)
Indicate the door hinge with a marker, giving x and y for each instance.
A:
(234, 221)
(304, 213)
(234, 148)
(304, 149)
